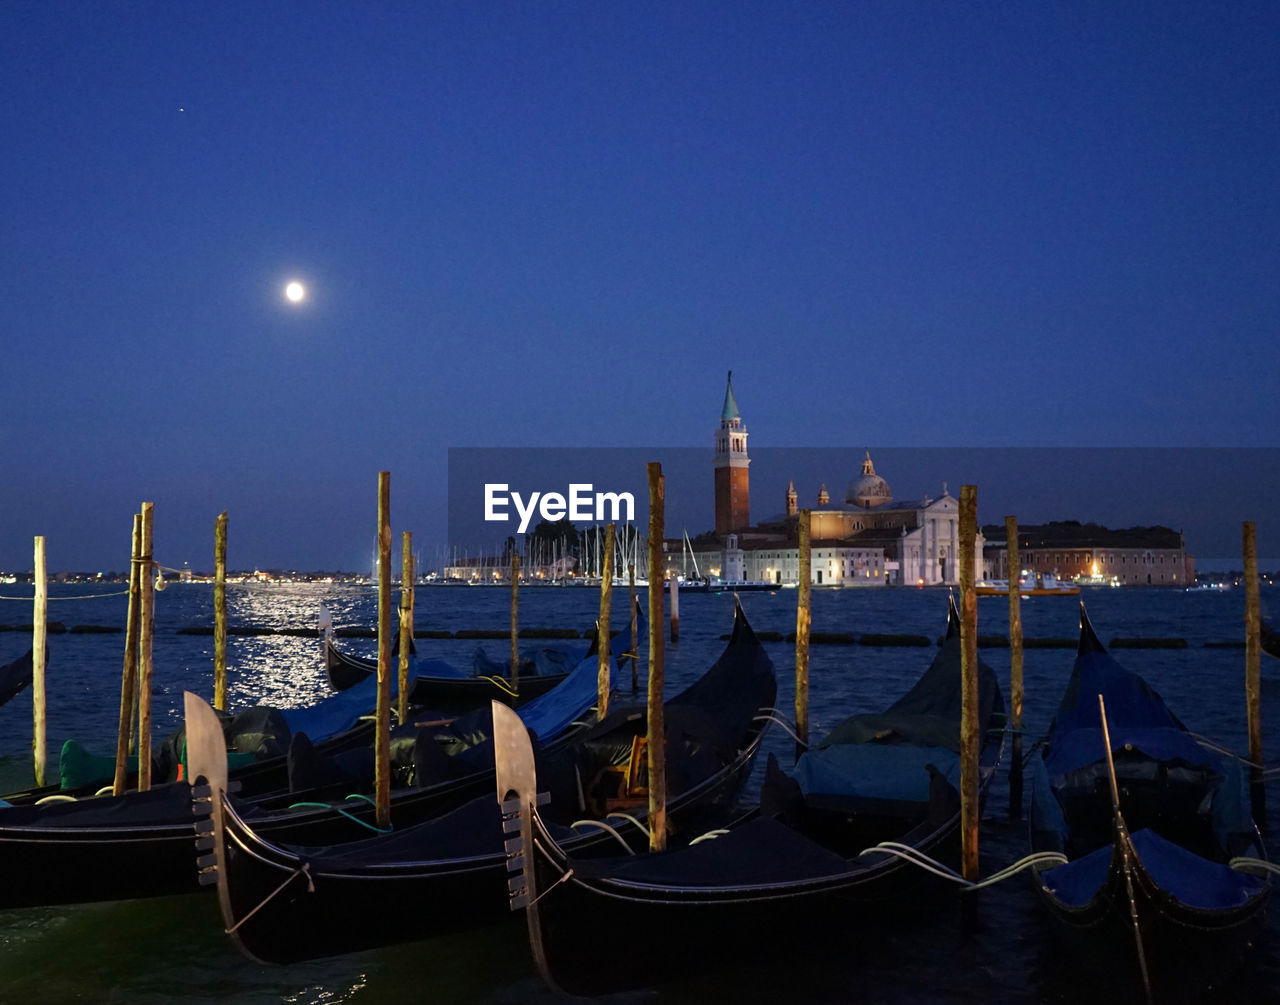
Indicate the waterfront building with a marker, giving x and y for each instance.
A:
(1136, 556)
(868, 539)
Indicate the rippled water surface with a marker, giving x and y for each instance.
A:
(169, 949)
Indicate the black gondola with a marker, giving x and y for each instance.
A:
(791, 866)
(283, 904)
(1270, 639)
(81, 847)
(440, 685)
(1150, 824)
(15, 676)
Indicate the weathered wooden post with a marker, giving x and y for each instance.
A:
(635, 633)
(1015, 665)
(515, 631)
(146, 630)
(407, 576)
(803, 614)
(129, 679)
(1253, 673)
(602, 624)
(970, 738)
(675, 610)
(220, 613)
(39, 659)
(657, 735)
(382, 738)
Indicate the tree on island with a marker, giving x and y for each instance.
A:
(552, 541)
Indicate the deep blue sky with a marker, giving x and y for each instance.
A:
(930, 224)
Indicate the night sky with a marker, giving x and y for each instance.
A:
(557, 225)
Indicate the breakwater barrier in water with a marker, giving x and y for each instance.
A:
(815, 638)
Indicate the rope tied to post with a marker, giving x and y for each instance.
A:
(787, 725)
(917, 858)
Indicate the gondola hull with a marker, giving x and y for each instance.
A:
(412, 897)
(686, 925)
(1149, 870)
(131, 846)
(804, 860)
(16, 675)
(443, 693)
(76, 850)
(286, 903)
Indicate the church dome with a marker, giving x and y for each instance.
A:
(869, 490)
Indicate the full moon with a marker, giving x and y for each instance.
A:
(295, 291)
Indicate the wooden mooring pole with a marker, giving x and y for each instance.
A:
(382, 737)
(602, 625)
(515, 631)
(803, 616)
(970, 738)
(146, 631)
(1253, 673)
(675, 609)
(220, 613)
(39, 660)
(408, 573)
(1015, 665)
(657, 735)
(635, 632)
(129, 678)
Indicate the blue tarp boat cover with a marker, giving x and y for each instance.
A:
(541, 661)
(1136, 716)
(1193, 880)
(552, 713)
(875, 770)
(338, 712)
(885, 755)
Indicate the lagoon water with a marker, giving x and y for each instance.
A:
(174, 949)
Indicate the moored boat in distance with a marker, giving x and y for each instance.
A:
(1030, 584)
(1096, 579)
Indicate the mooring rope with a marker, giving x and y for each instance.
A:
(1246, 864)
(917, 858)
(344, 813)
(604, 827)
(1228, 752)
(777, 719)
(551, 887)
(501, 684)
(710, 835)
(83, 596)
(302, 870)
(625, 816)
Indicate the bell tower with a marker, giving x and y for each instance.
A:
(733, 508)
